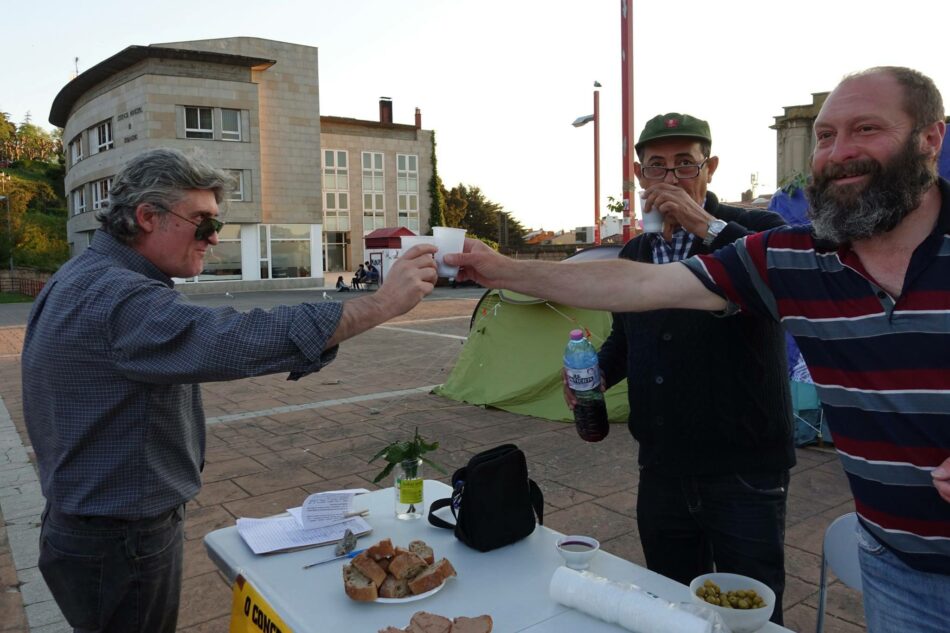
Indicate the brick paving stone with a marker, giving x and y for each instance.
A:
(12, 613)
(203, 598)
(219, 492)
(842, 602)
(626, 546)
(624, 502)
(810, 533)
(274, 480)
(218, 625)
(558, 496)
(196, 560)
(802, 564)
(591, 519)
(217, 471)
(201, 520)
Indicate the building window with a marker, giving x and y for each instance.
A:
(100, 192)
(407, 190)
(336, 187)
(288, 249)
(75, 149)
(230, 125)
(336, 250)
(374, 192)
(79, 200)
(198, 122)
(236, 193)
(223, 260)
(104, 136)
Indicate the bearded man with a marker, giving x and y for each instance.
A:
(867, 298)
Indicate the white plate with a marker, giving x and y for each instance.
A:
(418, 596)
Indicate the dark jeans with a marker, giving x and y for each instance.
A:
(112, 575)
(729, 523)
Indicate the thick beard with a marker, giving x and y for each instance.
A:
(845, 213)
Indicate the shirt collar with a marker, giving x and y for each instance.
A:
(127, 256)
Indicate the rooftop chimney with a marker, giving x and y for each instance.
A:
(418, 119)
(385, 110)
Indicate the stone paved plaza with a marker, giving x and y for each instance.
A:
(272, 441)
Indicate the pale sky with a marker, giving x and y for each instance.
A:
(500, 81)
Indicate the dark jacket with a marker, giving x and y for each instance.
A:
(708, 395)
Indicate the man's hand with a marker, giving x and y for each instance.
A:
(481, 264)
(411, 277)
(678, 209)
(941, 476)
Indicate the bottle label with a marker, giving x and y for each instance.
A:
(410, 491)
(583, 379)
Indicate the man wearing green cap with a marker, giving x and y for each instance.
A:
(709, 397)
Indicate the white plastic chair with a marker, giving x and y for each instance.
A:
(839, 552)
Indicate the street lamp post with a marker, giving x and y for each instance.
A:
(578, 122)
(4, 179)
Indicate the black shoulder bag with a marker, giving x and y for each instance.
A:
(494, 502)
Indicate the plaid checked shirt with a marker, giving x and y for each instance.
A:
(678, 249)
(111, 361)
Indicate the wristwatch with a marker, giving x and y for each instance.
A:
(715, 228)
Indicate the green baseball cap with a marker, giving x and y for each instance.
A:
(671, 125)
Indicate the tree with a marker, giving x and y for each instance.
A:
(436, 197)
(468, 208)
(7, 138)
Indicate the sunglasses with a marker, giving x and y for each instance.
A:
(203, 229)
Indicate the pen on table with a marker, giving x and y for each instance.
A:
(320, 562)
(358, 513)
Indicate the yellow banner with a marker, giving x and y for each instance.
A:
(250, 613)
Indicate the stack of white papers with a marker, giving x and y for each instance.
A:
(283, 533)
(322, 520)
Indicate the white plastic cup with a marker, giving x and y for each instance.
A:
(652, 219)
(408, 241)
(448, 240)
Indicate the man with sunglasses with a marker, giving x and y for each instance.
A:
(709, 397)
(112, 361)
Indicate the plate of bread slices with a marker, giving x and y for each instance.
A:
(387, 574)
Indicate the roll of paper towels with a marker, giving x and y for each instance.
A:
(621, 603)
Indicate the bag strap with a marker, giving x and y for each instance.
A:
(438, 504)
(537, 500)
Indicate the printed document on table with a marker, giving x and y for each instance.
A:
(283, 533)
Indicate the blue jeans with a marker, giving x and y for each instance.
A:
(731, 523)
(112, 575)
(898, 597)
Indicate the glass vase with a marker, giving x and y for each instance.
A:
(408, 487)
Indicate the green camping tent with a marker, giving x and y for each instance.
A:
(514, 353)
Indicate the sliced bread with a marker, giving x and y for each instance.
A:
(423, 551)
(392, 588)
(406, 565)
(369, 568)
(357, 586)
(432, 577)
(423, 622)
(481, 624)
(383, 549)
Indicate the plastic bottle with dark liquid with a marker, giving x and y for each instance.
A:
(583, 376)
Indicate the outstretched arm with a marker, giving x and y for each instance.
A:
(411, 278)
(617, 285)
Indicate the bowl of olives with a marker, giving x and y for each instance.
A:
(745, 604)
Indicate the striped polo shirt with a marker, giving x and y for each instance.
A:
(881, 365)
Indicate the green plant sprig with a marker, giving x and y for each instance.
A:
(399, 452)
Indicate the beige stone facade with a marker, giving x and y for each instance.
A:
(373, 150)
(250, 106)
(796, 139)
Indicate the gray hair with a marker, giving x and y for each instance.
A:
(161, 177)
